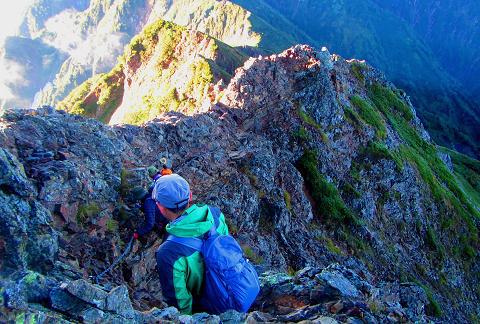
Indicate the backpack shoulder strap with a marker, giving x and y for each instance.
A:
(216, 214)
(191, 242)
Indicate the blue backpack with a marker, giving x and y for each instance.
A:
(230, 281)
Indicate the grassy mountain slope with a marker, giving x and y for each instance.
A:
(231, 23)
(365, 30)
(166, 67)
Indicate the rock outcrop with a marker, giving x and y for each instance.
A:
(320, 165)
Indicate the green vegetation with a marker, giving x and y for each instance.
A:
(20, 318)
(288, 200)
(444, 187)
(87, 211)
(434, 245)
(327, 201)
(353, 117)
(252, 256)
(301, 134)
(153, 106)
(201, 75)
(308, 120)
(433, 308)
(291, 271)
(467, 173)
(124, 185)
(349, 190)
(168, 89)
(311, 122)
(330, 245)
(370, 115)
(112, 226)
(30, 278)
(357, 69)
(384, 39)
(98, 97)
(376, 151)
(375, 306)
(389, 103)
(422, 154)
(142, 46)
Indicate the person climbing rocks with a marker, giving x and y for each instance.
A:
(153, 216)
(154, 173)
(181, 259)
(180, 267)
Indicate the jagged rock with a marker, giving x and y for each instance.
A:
(338, 281)
(413, 299)
(119, 302)
(26, 238)
(12, 176)
(66, 302)
(274, 110)
(232, 317)
(88, 293)
(166, 314)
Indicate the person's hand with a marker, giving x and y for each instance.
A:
(136, 236)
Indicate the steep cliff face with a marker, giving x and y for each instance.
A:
(317, 162)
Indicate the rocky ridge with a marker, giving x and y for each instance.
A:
(263, 156)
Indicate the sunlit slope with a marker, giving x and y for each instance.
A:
(166, 67)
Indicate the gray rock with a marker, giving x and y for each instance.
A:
(231, 317)
(90, 294)
(12, 176)
(25, 229)
(67, 303)
(337, 280)
(241, 156)
(119, 302)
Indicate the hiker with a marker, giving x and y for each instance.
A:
(181, 263)
(154, 173)
(153, 216)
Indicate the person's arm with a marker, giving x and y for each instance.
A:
(149, 210)
(172, 272)
(182, 294)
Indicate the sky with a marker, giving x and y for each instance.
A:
(11, 14)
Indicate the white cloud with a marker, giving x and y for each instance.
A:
(64, 31)
(11, 15)
(98, 50)
(11, 74)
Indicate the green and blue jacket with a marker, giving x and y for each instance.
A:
(181, 268)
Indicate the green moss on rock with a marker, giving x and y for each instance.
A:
(328, 202)
(87, 211)
(370, 115)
